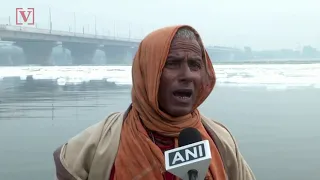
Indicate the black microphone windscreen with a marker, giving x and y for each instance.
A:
(188, 136)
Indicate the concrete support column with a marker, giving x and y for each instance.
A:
(116, 54)
(6, 59)
(81, 53)
(37, 52)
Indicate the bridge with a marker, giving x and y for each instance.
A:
(37, 45)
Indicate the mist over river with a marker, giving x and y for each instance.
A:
(272, 109)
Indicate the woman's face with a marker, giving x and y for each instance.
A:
(181, 77)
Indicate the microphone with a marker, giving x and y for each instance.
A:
(190, 161)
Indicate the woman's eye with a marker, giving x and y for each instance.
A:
(195, 65)
(172, 64)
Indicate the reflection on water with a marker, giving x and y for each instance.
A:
(277, 130)
(18, 102)
(34, 121)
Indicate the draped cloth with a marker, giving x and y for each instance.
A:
(138, 156)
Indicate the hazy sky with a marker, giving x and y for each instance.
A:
(261, 24)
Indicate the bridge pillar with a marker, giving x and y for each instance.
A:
(81, 53)
(118, 54)
(6, 59)
(37, 52)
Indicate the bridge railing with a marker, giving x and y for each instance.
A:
(93, 36)
(63, 33)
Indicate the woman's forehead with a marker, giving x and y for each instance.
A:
(182, 43)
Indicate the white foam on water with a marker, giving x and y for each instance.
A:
(271, 76)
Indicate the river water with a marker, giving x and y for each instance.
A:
(273, 111)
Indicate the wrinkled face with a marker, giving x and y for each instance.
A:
(181, 78)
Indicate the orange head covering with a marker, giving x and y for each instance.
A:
(138, 157)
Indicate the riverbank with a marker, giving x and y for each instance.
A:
(272, 61)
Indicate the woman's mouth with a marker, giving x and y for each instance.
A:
(183, 94)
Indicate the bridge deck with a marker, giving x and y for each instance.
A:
(13, 33)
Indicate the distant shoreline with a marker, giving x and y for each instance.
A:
(275, 61)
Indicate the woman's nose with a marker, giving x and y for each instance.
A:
(185, 72)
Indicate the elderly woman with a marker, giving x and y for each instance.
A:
(171, 76)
